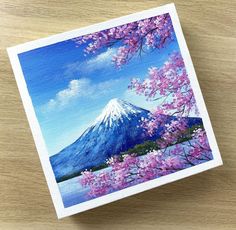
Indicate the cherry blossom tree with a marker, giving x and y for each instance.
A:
(132, 38)
(131, 170)
(170, 87)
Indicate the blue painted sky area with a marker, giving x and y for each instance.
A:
(69, 90)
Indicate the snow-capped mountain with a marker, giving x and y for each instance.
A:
(116, 111)
(115, 130)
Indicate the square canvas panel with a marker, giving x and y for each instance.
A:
(115, 109)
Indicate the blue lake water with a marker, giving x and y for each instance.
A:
(73, 192)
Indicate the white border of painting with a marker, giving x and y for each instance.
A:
(37, 134)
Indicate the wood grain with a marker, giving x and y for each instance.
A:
(204, 201)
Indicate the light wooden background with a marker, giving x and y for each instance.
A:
(204, 201)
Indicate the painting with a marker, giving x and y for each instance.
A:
(115, 109)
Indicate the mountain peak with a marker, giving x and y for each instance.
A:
(115, 102)
(117, 109)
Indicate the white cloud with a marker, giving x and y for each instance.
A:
(101, 61)
(74, 89)
(79, 88)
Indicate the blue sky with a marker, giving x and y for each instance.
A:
(69, 90)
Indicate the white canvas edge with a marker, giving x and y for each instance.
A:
(38, 137)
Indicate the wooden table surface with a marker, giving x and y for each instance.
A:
(204, 201)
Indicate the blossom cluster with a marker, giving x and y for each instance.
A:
(173, 131)
(169, 84)
(131, 38)
(131, 169)
(200, 148)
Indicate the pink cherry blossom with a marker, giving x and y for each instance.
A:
(134, 169)
(132, 38)
(169, 86)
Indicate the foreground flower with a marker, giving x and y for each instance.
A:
(133, 169)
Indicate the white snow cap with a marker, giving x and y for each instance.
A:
(116, 109)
